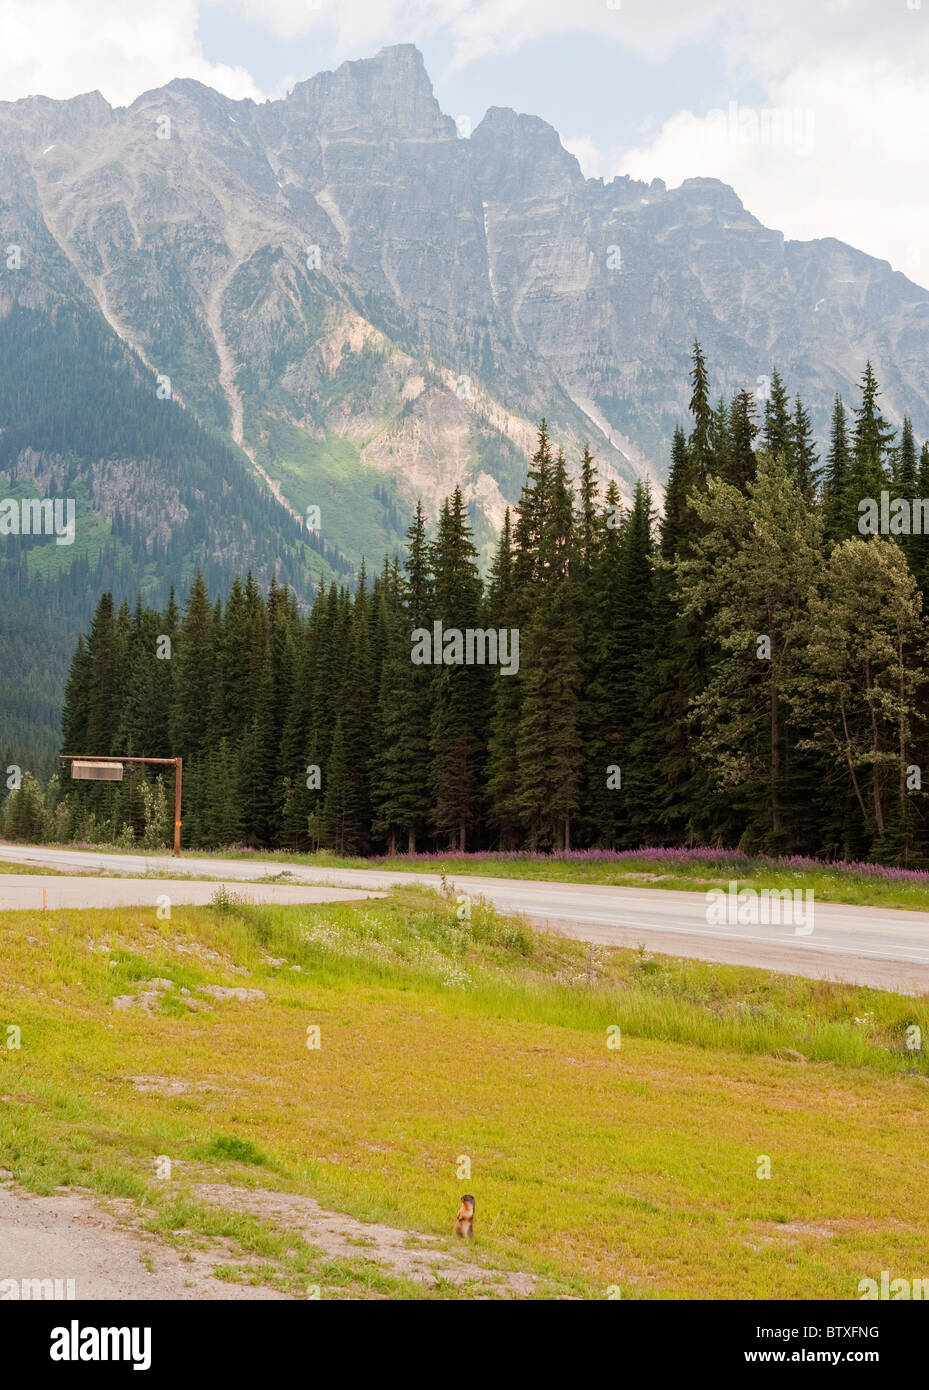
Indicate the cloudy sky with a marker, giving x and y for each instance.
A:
(652, 88)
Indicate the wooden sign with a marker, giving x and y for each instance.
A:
(86, 771)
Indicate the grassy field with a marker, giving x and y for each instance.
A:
(595, 1166)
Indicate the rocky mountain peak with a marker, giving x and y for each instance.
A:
(713, 193)
(389, 93)
(47, 119)
(515, 153)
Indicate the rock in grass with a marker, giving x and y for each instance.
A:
(224, 992)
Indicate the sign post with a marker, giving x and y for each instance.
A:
(108, 768)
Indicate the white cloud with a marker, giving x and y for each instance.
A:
(594, 163)
(353, 22)
(478, 28)
(57, 48)
(847, 141)
(647, 29)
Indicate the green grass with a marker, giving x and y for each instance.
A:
(231, 1147)
(91, 533)
(329, 473)
(829, 884)
(594, 1165)
(6, 868)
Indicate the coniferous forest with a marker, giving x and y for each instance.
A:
(746, 669)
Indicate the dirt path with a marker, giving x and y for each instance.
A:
(103, 1252)
(407, 1254)
(71, 1236)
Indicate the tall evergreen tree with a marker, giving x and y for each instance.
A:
(459, 710)
(533, 508)
(337, 796)
(604, 679)
(743, 430)
(700, 450)
(680, 789)
(905, 484)
(357, 705)
(256, 751)
(503, 807)
(549, 735)
(105, 678)
(77, 699)
(401, 772)
(778, 430)
(871, 440)
(195, 667)
(839, 508)
(803, 452)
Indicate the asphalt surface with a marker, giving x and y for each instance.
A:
(25, 891)
(882, 947)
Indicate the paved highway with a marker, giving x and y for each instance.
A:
(882, 947)
(24, 891)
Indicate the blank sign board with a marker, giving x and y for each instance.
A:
(97, 772)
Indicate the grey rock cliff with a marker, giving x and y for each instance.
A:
(346, 287)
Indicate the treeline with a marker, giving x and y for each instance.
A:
(749, 671)
(81, 418)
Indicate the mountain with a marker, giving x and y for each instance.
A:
(358, 297)
(224, 313)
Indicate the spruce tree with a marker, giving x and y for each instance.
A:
(681, 794)
(300, 750)
(604, 731)
(838, 505)
(224, 813)
(460, 693)
(332, 817)
(681, 479)
(778, 429)
(105, 685)
(77, 699)
(920, 554)
(357, 706)
(905, 484)
(871, 439)
(588, 520)
(533, 507)
(743, 430)
(283, 661)
(700, 450)
(502, 776)
(633, 627)
(401, 769)
(720, 443)
(195, 665)
(140, 714)
(803, 452)
(549, 736)
(231, 707)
